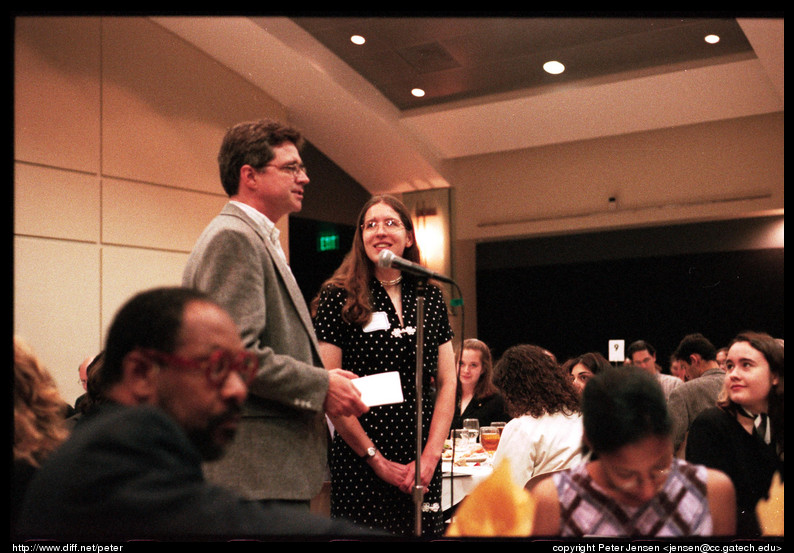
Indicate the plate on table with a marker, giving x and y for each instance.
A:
(467, 455)
(477, 458)
(461, 471)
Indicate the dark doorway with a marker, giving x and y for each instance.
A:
(316, 249)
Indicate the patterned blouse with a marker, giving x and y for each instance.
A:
(680, 508)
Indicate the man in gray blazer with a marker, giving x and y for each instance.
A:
(280, 450)
(704, 382)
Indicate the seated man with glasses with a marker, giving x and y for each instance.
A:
(633, 485)
(175, 376)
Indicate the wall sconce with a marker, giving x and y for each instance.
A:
(429, 231)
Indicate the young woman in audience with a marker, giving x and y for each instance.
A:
(743, 435)
(634, 486)
(545, 433)
(676, 369)
(584, 367)
(478, 397)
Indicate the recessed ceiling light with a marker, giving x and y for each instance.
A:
(357, 39)
(712, 39)
(553, 67)
(418, 92)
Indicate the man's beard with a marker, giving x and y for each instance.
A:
(212, 440)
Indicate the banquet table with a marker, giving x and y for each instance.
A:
(459, 481)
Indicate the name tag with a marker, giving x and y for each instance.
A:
(378, 321)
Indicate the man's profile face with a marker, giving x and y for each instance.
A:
(209, 413)
(690, 367)
(280, 188)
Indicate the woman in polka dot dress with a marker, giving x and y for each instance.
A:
(365, 319)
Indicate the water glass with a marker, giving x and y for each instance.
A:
(461, 438)
(473, 426)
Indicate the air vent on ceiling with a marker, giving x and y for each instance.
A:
(428, 58)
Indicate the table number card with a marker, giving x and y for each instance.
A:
(617, 352)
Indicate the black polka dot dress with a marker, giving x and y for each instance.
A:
(357, 493)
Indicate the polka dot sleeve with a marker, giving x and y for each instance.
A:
(328, 323)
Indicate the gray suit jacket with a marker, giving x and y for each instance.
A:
(687, 400)
(281, 447)
(668, 383)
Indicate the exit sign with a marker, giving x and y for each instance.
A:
(327, 241)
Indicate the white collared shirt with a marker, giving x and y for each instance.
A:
(268, 226)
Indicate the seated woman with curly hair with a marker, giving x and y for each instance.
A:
(39, 419)
(545, 433)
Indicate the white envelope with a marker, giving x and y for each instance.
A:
(380, 389)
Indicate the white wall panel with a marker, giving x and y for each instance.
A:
(56, 91)
(56, 304)
(127, 271)
(56, 203)
(166, 106)
(136, 214)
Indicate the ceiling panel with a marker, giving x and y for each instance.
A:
(462, 58)
(625, 75)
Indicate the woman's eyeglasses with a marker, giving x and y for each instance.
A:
(388, 224)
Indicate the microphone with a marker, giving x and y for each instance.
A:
(387, 259)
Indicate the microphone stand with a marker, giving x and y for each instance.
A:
(418, 493)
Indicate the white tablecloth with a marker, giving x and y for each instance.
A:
(461, 481)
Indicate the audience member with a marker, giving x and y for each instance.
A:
(177, 376)
(742, 436)
(633, 486)
(584, 367)
(545, 433)
(281, 450)
(722, 357)
(697, 356)
(366, 320)
(82, 373)
(643, 355)
(478, 397)
(676, 369)
(93, 396)
(39, 422)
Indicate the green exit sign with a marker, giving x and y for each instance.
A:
(327, 241)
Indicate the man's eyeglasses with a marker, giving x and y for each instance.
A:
(388, 224)
(294, 169)
(217, 366)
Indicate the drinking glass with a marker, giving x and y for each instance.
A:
(473, 426)
(461, 437)
(499, 425)
(489, 438)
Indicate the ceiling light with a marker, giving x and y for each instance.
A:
(357, 39)
(553, 67)
(418, 92)
(712, 39)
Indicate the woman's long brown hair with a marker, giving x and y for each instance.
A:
(357, 270)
